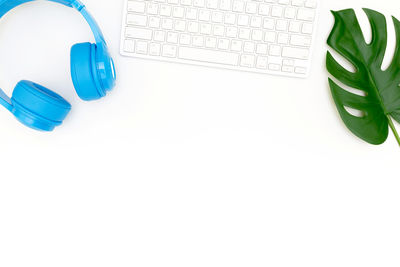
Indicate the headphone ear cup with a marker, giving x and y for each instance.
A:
(105, 67)
(83, 71)
(37, 107)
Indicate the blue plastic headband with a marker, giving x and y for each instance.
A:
(7, 5)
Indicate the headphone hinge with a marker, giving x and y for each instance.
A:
(78, 5)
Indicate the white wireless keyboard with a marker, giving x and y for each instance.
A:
(263, 36)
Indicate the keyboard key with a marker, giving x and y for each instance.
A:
(307, 28)
(212, 4)
(270, 37)
(247, 61)
(262, 49)
(205, 28)
(236, 45)
(249, 47)
(169, 50)
(277, 11)
(198, 40)
(283, 38)
(172, 37)
(141, 47)
(211, 42)
(244, 33)
(290, 13)
(301, 70)
(311, 4)
(178, 12)
(232, 32)
(262, 62)
(159, 36)
(186, 2)
(219, 30)
(238, 6)
(226, 5)
(166, 24)
(281, 25)
(154, 49)
(199, 3)
(165, 10)
(264, 9)
(204, 15)
(217, 17)
(243, 20)
(135, 6)
(257, 35)
(300, 40)
(230, 18)
(191, 13)
(136, 20)
(209, 56)
(287, 69)
(185, 39)
(193, 27)
(306, 14)
(269, 23)
(275, 50)
(283, 2)
(154, 22)
(152, 9)
(294, 26)
(255, 22)
(275, 60)
(251, 7)
(288, 62)
(180, 25)
(138, 33)
(129, 46)
(292, 52)
(298, 3)
(274, 67)
(223, 44)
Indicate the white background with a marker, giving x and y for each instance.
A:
(188, 166)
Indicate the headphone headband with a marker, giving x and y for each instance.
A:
(7, 5)
(92, 71)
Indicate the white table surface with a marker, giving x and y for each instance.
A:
(186, 166)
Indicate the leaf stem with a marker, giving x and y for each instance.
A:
(391, 124)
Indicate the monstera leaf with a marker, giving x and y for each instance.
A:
(380, 98)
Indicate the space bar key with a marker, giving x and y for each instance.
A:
(208, 56)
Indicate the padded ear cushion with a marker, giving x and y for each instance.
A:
(37, 107)
(83, 71)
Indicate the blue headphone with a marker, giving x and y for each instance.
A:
(92, 71)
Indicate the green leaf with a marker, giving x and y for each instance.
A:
(381, 100)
